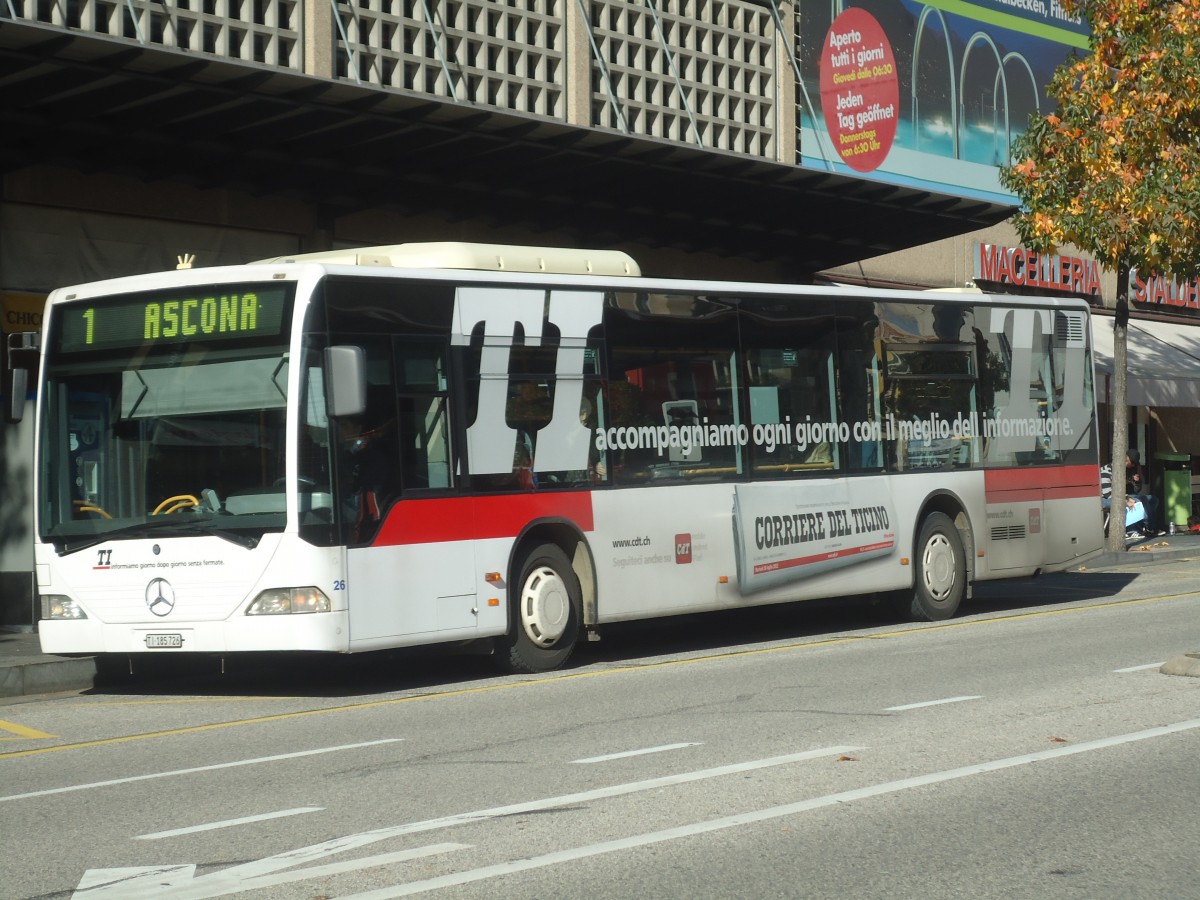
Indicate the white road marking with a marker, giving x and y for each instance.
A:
(228, 823)
(98, 883)
(179, 882)
(1156, 665)
(930, 703)
(616, 790)
(755, 816)
(628, 753)
(212, 768)
(330, 869)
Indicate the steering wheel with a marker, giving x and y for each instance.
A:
(180, 501)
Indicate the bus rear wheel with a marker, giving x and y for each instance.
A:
(941, 571)
(545, 601)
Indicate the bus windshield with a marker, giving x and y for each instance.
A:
(161, 436)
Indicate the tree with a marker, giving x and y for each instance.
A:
(1115, 168)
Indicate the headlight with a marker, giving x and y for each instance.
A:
(56, 606)
(281, 601)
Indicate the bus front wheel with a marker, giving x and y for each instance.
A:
(545, 603)
(941, 570)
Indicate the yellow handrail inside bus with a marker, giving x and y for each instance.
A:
(82, 506)
(181, 501)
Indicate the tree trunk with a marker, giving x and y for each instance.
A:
(1120, 412)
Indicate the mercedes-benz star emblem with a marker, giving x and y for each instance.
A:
(160, 597)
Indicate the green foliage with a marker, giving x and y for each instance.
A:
(1115, 169)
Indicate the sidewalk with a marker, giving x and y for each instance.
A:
(25, 670)
(1161, 548)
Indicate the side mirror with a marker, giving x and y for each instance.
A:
(16, 400)
(345, 380)
(20, 344)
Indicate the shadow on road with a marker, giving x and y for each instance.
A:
(1062, 587)
(625, 644)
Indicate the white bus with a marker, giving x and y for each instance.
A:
(448, 443)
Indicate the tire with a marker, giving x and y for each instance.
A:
(545, 602)
(941, 571)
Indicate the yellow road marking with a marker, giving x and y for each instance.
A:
(170, 701)
(571, 676)
(22, 732)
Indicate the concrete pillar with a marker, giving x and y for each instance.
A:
(786, 112)
(318, 32)
(578, 77)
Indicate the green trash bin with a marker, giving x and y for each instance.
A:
(1176, 487)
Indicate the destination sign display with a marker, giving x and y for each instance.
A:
(208, 313)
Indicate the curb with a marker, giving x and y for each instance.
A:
(1135, 557)
(47, 676)
(1187, 664)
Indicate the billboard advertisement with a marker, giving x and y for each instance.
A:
(927, 94)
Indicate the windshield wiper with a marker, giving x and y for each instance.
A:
(65, 546)
(242, 540)
(248, 541)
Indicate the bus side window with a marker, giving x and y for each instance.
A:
(790, 374)
(423, 420)
(368, 449)
(860, 378)
(671, 415)
(791, 391)
(932, 403)
(671, 404)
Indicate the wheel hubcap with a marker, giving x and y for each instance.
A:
(937, 564)
(545, 606)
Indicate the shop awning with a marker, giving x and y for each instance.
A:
(1163, 362)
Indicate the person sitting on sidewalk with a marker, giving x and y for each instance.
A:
(1135, 486)
(1135, 517)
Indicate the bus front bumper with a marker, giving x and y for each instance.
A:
(328, 632)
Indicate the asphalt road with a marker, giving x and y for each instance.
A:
(1029, 749)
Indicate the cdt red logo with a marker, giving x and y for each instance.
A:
(683, 549)
(1035, 520)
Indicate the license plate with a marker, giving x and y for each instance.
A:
(160, 641)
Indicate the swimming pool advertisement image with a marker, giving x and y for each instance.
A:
(927, 94)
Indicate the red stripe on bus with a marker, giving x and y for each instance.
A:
(1040, 482)
(820, 557)
(479, 518)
